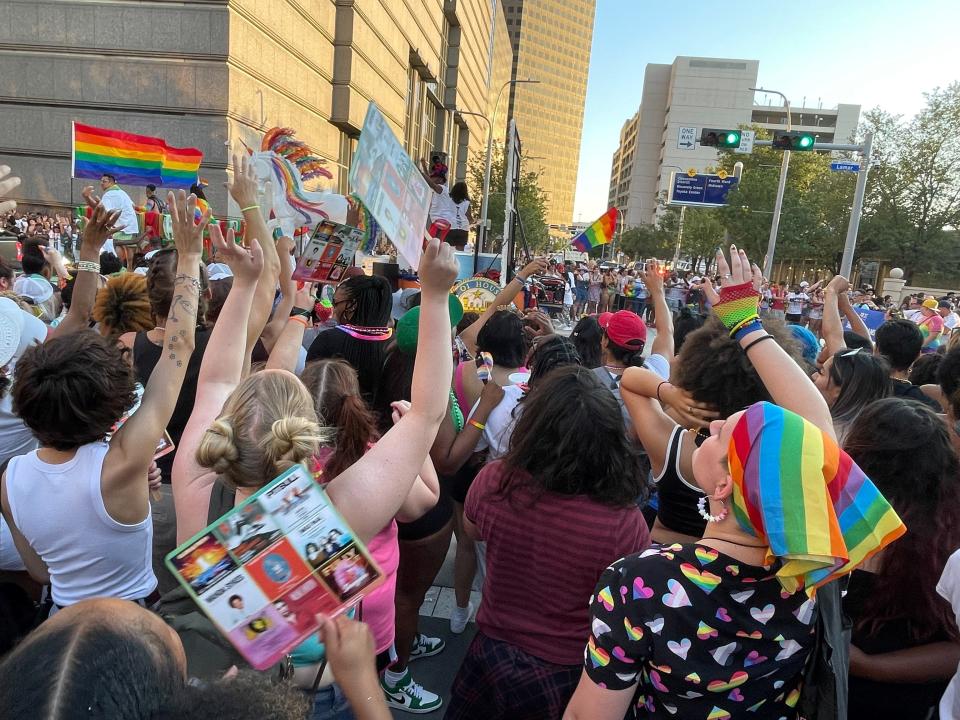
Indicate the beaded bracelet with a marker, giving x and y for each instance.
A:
(87, 266)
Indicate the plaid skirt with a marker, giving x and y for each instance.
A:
(499, 680)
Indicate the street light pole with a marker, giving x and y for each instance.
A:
(485, 201)
(846, 264)
(781, 187)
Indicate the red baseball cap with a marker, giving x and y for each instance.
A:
(624, 329)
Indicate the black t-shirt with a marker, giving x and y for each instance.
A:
(700, 635)
(912, 392)
(870, 700)
(146, 355)
(366, 357)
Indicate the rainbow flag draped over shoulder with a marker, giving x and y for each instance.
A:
(796, 490)
(132, 159)
(600, 233)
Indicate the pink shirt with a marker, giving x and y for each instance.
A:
(378, 608)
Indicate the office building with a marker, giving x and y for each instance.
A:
(205, 74)
(700, 92)
(551, 42)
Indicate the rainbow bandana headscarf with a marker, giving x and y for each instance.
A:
(794, 488)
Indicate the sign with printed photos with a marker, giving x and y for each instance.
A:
(328, 253)
(264, 570)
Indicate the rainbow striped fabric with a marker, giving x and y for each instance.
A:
(794, 488)
(600, 233)
(132, 159)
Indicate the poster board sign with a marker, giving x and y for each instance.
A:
(391, 187)
(264, 570)
(477, 293)
(871, 318)
(328, 253)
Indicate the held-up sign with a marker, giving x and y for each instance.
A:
(391, 187)
(328, 253)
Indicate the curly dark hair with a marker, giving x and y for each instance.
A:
(905, 449)
(586, 336)
(569, 440)
(502, 336)
(714, 369)
(553, 352)
(72, 389)
(948, 377)
(924, 370)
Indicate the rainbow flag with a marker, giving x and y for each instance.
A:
(132, 159)
(600, 233)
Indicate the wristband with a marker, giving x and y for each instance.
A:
(758, 340)
(250, 207)
(738, 305)
(298, 319)
(520, 277)
(664, 382)
(478, 425)
(303, 312)
(87, 266)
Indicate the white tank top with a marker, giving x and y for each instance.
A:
(60, 511)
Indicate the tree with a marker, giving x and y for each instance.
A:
(531, 202)
(644, 241)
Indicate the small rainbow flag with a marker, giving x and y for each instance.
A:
(132, 159)
(600, 233)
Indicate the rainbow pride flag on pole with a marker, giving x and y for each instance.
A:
(132, 159)
(600, 233)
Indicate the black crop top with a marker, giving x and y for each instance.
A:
(677, 509)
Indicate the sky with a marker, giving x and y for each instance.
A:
(883, 53)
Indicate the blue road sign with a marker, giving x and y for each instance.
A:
(700, 190)
(844, 166)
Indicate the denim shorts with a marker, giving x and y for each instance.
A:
(329, 703)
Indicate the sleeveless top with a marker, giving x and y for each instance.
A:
(60, 511)
(677, 508)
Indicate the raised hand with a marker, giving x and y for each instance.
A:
(438, 267)
(102, 224)
(738, 303)
(7, 183)
(537, 266)
(652, 277)
(246, 263)
(244, 188)
(839, 284)
(738, 270)
(187, 233)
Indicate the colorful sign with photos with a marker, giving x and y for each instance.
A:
(328, 253)
(263, 571)
(391, 187)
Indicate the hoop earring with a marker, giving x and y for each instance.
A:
(705, 513)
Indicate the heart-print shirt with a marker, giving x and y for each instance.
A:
(700, 634)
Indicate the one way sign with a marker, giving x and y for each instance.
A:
(687, 138)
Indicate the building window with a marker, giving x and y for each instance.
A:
(421, 116)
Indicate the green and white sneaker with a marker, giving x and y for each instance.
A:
(409, 696)
(424, 646)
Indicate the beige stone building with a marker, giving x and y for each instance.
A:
(208, 73)
(551, 40)
(701, 92)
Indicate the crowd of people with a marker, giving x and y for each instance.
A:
(734, 518)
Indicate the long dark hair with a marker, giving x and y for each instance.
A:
(569, 440)
(552, 353)
(862, 378)
(336, 395)
(458, 193)
(905, 449)
(586, 336)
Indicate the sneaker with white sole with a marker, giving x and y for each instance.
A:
(409, 696)
(424, 646)
(460, 618)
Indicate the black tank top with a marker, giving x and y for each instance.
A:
(677, 509)
(146, 355)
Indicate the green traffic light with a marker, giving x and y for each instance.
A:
(732, 138)
(805, 141)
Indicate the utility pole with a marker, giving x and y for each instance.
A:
(781, 187)
(846, 264)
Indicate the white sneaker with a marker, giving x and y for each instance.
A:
(460, 618)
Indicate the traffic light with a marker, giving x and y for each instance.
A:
(711, 137)
(793, 140)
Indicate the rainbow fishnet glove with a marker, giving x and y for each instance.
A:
(738, 308)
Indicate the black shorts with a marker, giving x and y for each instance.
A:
(795, 319)
(457, 238)
(459, 483)
(431, 522)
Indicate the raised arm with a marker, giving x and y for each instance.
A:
(220, 372)
(288, 289)
(785, 380)
(370, 492)
(857, 325)
(425, 171)
(832, 328)
(245, 192)
(96, 232)
(663, 317)
(285, 354)
(505, 297)
(452, 449)
(132, 447)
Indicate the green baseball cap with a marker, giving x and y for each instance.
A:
(408, 326)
